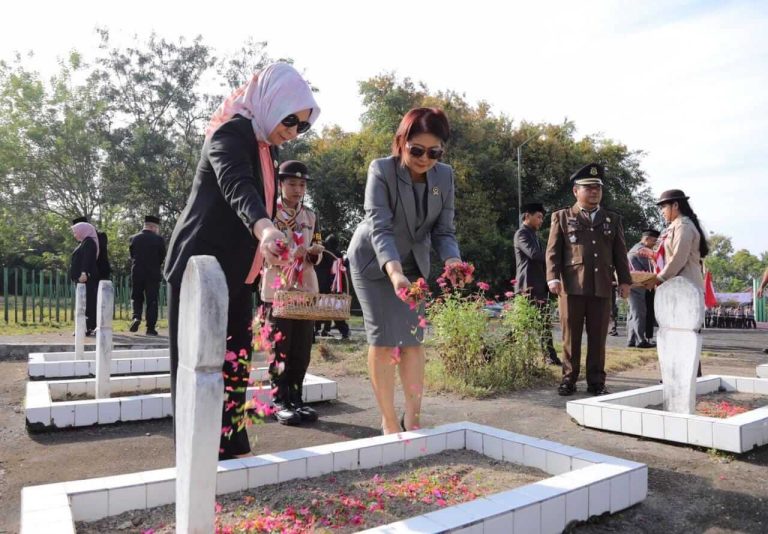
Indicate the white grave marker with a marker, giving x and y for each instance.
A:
(199, 392)
(679, 309)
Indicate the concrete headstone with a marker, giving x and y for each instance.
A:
(199, 392)
(679, 309)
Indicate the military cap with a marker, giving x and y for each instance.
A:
(532, 207)
(590, 174)
(79, 220)
(293, 169)
(671, 195)
(650, 232)
(152, 219)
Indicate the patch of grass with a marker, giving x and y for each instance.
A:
(340, 358)
(622, 358)
(720, 457)
(47, 327)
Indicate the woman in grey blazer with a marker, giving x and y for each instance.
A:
(409, 209)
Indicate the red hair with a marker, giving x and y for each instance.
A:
(417, 121)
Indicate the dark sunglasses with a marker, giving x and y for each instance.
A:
(417, 151)
(292, 120)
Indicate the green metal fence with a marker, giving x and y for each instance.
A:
(31, 296)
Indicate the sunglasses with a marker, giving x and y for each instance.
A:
(417, 151)
(292, 120)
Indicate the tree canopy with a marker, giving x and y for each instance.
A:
(117, 136)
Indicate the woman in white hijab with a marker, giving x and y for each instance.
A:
(229, 216)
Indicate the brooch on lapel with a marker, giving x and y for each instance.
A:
(572, 238)
(435, 191)
(608, 219)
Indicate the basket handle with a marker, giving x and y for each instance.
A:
(346, 278)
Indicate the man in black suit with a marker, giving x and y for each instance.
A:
(102, 262)
(147, 250)
(531, 277)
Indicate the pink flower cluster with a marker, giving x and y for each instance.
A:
(414, 294)
(457, 275)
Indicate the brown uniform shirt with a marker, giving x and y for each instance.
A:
(583, 254)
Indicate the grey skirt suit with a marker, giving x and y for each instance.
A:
(403, 222)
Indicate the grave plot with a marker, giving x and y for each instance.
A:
(668, 411)
(85, 402)
(50, 404)
(628, 413)
(762, 370)
(582, 483)
(43, 365)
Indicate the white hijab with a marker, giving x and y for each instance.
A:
(271, 95)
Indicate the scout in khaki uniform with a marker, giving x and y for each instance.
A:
(586, 243)
(293, 345)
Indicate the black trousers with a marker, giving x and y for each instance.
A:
(141, 286)
(291, 355)
(650, 316)
(91, 296)
(326, 326)
(236, 372)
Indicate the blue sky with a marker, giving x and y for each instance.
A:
(684, 81)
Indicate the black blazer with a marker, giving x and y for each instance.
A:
(531, 264)
(84, 260)
(147, 251)
(227, 198)
(102, 262)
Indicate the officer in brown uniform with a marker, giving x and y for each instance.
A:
(586, 243)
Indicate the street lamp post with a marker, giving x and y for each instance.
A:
(519, 176)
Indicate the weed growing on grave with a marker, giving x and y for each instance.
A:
(483, 355)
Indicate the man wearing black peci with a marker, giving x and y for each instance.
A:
(147, 250)
(531, 276)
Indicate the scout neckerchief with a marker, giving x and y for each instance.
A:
(286, 221)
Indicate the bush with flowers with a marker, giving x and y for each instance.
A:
(480, 355)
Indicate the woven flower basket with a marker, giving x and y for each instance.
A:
(639, 278)
(293, 304)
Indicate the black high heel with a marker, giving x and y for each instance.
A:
(402, 423)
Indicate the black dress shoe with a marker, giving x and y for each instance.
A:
(90, 333)
(134, 325)
(306, 413)
(646, 345)
(566, 390)
(598, 390)
(285, 414)
(613, 332)
(151, 332)
(631, 344)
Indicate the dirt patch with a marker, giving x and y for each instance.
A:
(347, 501)
(118, 394)
(722, 404)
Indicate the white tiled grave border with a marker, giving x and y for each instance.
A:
(43, 411)
(124, 362)
(762, 370)
(626, 412)
(583, 483)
